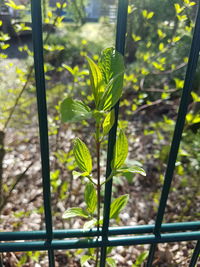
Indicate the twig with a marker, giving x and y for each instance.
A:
(159, 101)
(19, 178)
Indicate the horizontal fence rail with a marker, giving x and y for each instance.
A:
(94, 243)
(48, 239)
(126, 230)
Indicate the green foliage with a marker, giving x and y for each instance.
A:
(140, 259)
(106, 80)
(74, 110)
(90, 197)
(111, 262)
(85, 259)
(118, 205)
(96, 79)
(75, 212)
(82, 156)
(108, 122)
(121, 151)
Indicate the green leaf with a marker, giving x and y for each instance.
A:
(90, 197)
(111, 64)
(90, 224)
(96, 79)
(85, 259)
(134, 169)
(74, 110)
(68, 68)
(111, 262)
(141, 258)
(112, 93)
(74, 212)
(195, 97)
(121, 151)
(82, 156)
(117, 205)
(108, 122)
(76, 174)
(12, 4)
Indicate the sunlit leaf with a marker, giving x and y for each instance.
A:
(150, 15)
(136, 38)
(90, 224)
(74, 110)
(161, 46)
(111, 63)
(118, 205)
(121, 151)
(85, 259)
(82, 156)
(134, 169)
(178, 8)
(68, 68)
(111, 262)
(112, 93)
(96, 79)
(76, 174)
(195, 97)
(74, 212)
(108, 122)
(12, 4)
(90, 197)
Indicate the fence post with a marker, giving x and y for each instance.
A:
(42, 116)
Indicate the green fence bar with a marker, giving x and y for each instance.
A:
(120, 44)
(42, 116)
(94, 243)
(195, 255)
(192, 64)
(112, 231)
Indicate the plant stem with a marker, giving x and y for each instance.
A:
(2, 154)
(98, 144)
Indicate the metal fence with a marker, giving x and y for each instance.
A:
(49, 239)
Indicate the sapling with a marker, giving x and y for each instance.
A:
(106, 79)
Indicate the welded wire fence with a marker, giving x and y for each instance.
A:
(49, 239)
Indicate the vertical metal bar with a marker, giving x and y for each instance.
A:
(192, 64)
(42, 117)
(120, 47)
(195, 255)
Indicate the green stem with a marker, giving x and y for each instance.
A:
(109, 178)
(98, 145)
(90, 179)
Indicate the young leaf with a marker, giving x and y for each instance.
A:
(69, 69)
(121, 151)
(82, 156)
(90, 224)
(96, 80)
(76, 174)
(141, 258)
(111, 64)
(74, 110)
(90, 197)
(108, 122)
(74, 212)
(111, 262)
(134, 169)
(117, 205)
(112, 93)
(85, 259)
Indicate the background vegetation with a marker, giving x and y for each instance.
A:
(158, 41)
